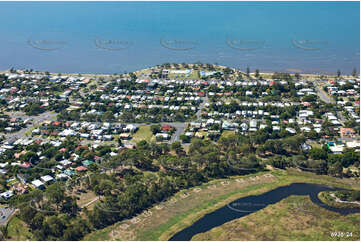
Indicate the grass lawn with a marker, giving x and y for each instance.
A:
(28, 133)
(194, 75)
(143, 133)
(227, 133)
(180, 212)
(281, 221)
(314, 144)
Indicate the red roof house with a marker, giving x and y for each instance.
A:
(166, 128)
(38, 142)
(81, 168)
(25, 165)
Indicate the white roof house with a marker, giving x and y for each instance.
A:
(162, 135)
(47, 178)
(65, 163)
(336, 149)
(305, 129)
(318, 130)
(262, 126)
(62, 176)
(353, 144)
(67, 132)
(37, 183)
(36, 131)
(130, 127)
(291, 130)
(7, 194)
(335, 122)
(253, 123)
(276, 128)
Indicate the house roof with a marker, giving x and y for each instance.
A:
(81, 168)
(347, 130)
(47, 178)
(25, 165)
(87, 162)
(37, 183)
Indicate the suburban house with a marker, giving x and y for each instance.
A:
(347, 132)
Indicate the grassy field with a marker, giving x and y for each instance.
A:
(182, 211)
(227, 133)
(326, 198)
(169, 213)
(85, 199)
(193, 75)
(144, 133)
(18, 230)
(282, 221)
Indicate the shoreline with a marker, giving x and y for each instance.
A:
(149, 68)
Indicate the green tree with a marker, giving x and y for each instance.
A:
(185, 138)
(55, 193)
(278, 162)
(177, 147)
(108, 116)
(30, 157)
(54, 226)
(335, 169)
(317, 154)
(156, 128)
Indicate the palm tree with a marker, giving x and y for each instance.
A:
(354, 72)
(297, 76)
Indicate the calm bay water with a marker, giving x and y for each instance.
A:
(114, 37)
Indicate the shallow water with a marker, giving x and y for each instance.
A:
(114, 37)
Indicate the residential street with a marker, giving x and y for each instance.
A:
(323, 95)
(5, 213)
(341, 117)
(201, 106)
(36, 120)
